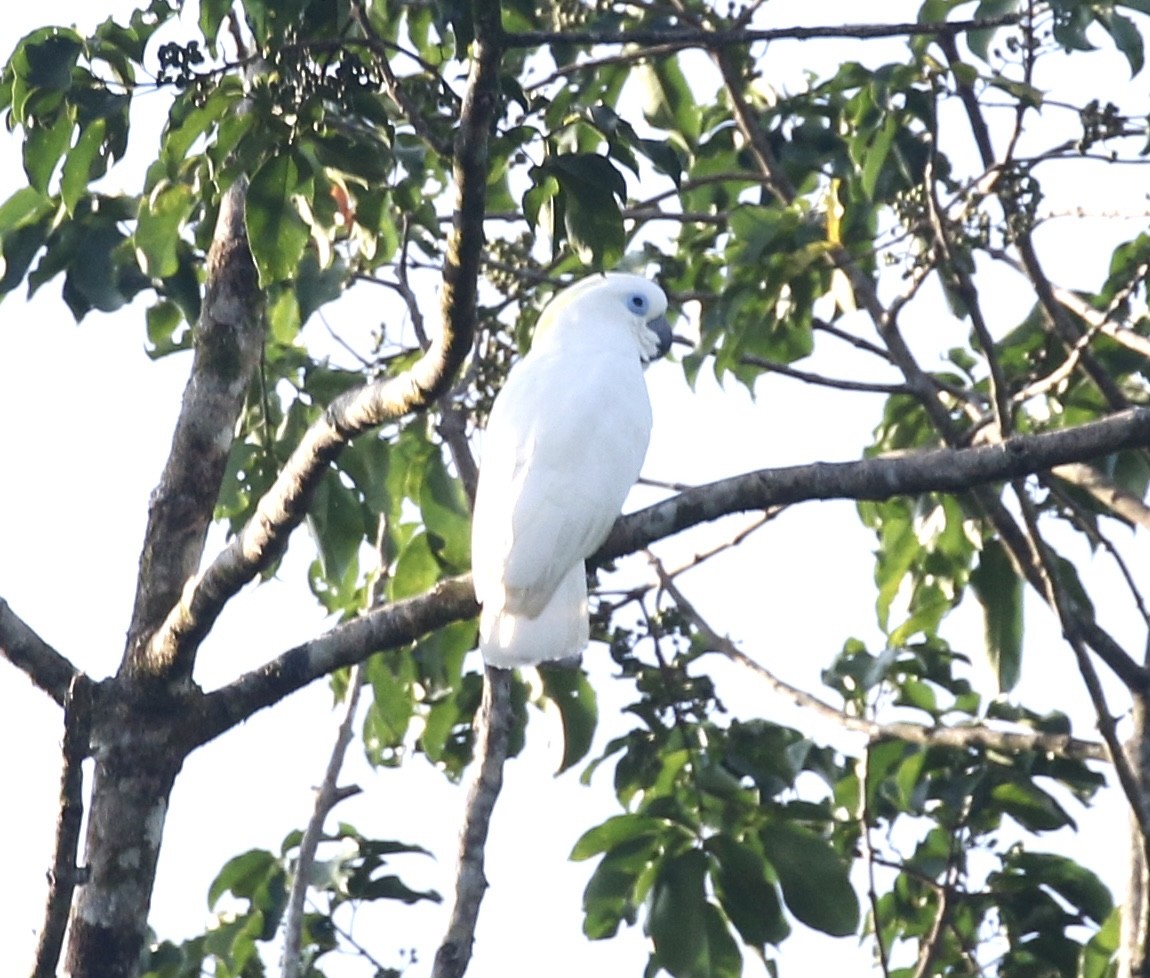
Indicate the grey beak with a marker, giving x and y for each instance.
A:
(662, 329)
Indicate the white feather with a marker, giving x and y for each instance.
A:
(564, 444)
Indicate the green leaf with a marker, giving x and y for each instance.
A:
(277, 233)
(675, 920)
(746, 894)
(589, 206)
(573, 694)
(82, 164)
(1099, 954)
(242, 875)
(1078, 885)
(874, 157)
(44, 145)
(392, 707)
(1030, 806)
(999, 591)
(446, 514)
(1126, 38)
(979, 41)
(335, 519)
(616, 831)
(669, 102)
(158, 225)
(416, 569)
(212, 14)
(814, 878)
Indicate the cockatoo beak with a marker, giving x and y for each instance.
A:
(662, 329)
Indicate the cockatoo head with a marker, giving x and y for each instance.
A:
(595, 308)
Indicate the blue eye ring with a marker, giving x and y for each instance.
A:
(637, 303)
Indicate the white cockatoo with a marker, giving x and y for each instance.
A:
(563, 446)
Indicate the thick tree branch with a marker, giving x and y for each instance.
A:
(228, 341)
(493, 727)
(938, 470)
(383, 629)
(29, 653)
(690, 37)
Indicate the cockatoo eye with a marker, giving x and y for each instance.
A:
(637, 303)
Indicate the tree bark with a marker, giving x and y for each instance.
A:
(137, 756)
(1134, 951)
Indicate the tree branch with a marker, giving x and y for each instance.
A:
(937, 470)
(65, 874)
(961, 737)
(228, 341)
(493, 726)
(381, 630)
(679, 38)
(327, 796)
(29, 653)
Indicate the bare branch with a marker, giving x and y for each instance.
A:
(679, 38)
(29, 653)
(961, 737)
(820, 381)
(1063, 605)
(493, 727)
(383, 629)
(327, 796)
(65, 873)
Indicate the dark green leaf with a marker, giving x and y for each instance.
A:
(815, 881)
(242, 875)
(616, 831)
(446, 515)
(675, 921)
(999, 591)
(82, 164)
(44, 145)
(277, 232)
(1030, 806)
(746, 894)
(336, 522)
(575, 698)
(1127, 39)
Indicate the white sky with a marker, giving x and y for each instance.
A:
(86, 421)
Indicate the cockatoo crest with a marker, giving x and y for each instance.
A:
(563, 446)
